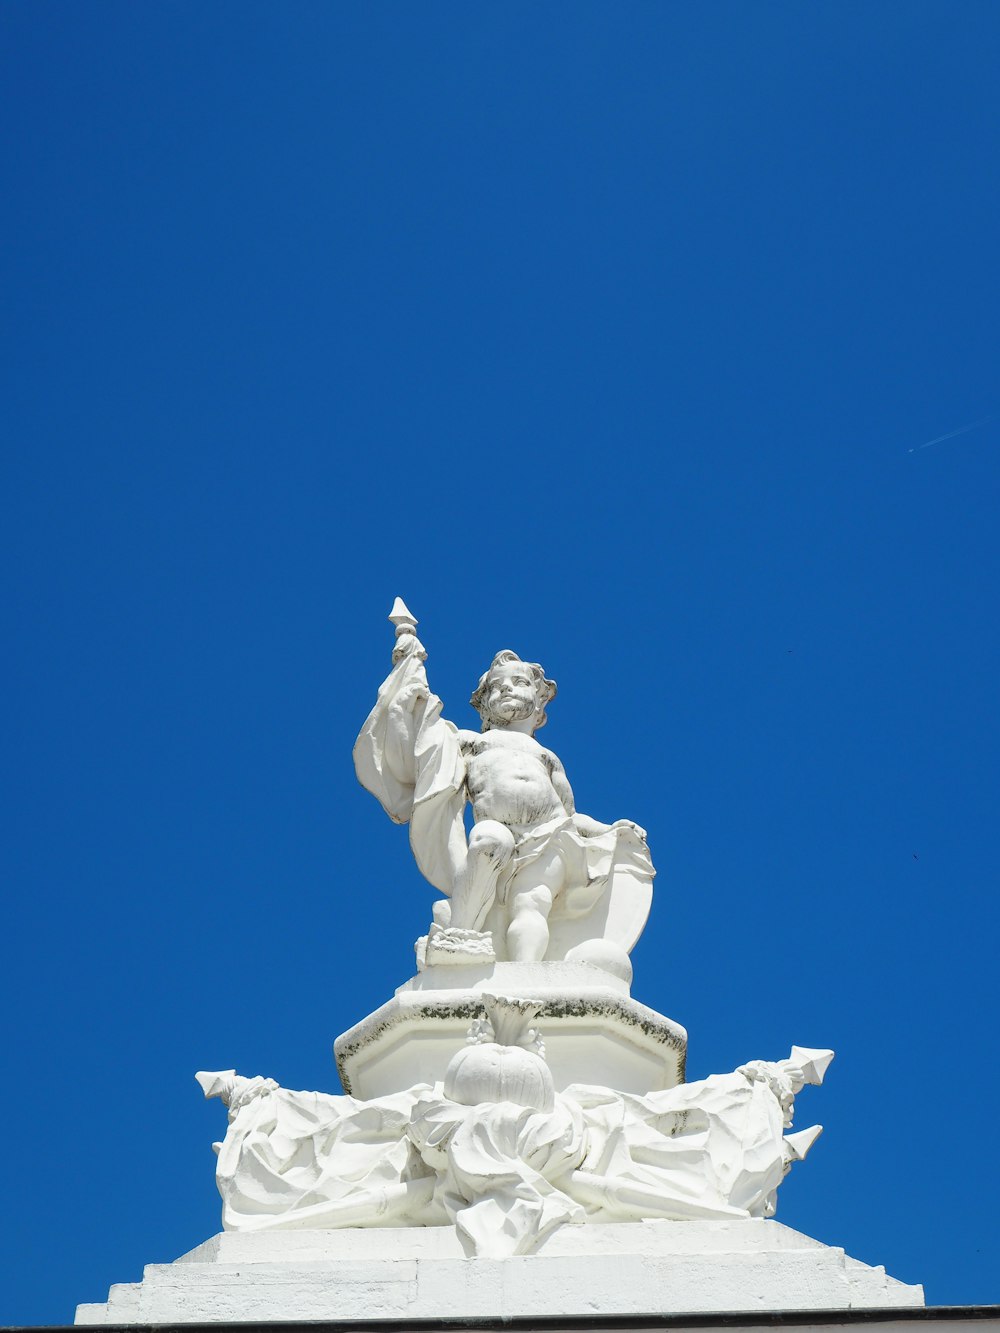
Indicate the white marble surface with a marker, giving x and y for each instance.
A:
(422, 1273)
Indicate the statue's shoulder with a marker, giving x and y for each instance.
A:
(468, 739)
(549, 756)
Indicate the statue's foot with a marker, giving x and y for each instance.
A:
(451, 945)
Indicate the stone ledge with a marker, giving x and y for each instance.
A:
(594, 1032)
(948, 1319)
(984, 1318)
(391, 1275)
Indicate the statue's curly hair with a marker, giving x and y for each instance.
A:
(545, 689)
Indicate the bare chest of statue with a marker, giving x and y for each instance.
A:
(509, 779)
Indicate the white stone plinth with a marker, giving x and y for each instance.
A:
(636, 1268)
(594, 1032)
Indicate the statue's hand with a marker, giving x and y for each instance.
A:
(777, 1081)
(408, 645)
(247, 1090)
(637, 829)
(411, 695)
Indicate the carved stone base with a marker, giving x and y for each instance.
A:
(594, 1032)
(422, 1273)
(450, 946)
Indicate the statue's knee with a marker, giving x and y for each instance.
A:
(493, 840)
(531, 902)
(441, 912)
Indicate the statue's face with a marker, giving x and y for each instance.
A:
(510, 694)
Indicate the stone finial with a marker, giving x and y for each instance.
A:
(407, 643)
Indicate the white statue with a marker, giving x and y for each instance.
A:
(535, 879)
(499, 1147)
(494, 1141)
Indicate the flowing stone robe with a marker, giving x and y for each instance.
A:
(505, 1175)
(294, 1160)
(410, 758)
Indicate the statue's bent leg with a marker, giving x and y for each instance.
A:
(530, 901)
(491, 846)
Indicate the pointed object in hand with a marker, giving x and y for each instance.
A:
(813, 1064)
(217, 1083)
(401, 616)
(407, 643)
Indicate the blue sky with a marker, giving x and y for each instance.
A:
(609, 333)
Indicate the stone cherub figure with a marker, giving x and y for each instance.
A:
(534, 879)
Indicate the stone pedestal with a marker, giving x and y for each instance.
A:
(594, 1032)
(421, 1273)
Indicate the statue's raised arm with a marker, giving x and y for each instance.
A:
(535, 880)
(410, 759)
